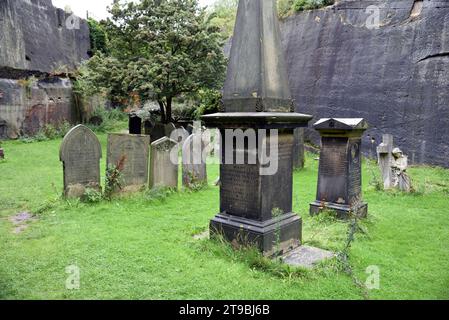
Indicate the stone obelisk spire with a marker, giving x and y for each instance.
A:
(257, 76)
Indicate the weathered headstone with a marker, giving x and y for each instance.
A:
(197, 127)
(134, 149)
(164, 169)
(80, 154)
(340, 169)
(135, 124)
(256, 207)
(298, 149)
(2, 154)
(194, 153)
(385, 158)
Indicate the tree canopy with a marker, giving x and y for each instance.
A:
(158, 50)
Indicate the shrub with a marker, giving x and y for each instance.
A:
(91, 196)
(300, 5)
(114, 178)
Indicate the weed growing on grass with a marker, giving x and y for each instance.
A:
(343, 257)
(114, 178)
(158, 194)
(276, 213)
(47, 205)
(92, 196)
(376, 181)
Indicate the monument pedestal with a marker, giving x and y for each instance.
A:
(256, 198)
(342, 211)
(340, 169)
(275, 236)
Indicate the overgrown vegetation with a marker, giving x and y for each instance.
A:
(99, 41)
(114, 178)
(48, 132)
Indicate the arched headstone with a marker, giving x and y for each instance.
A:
(164, 171)
(80, 153)
(194, 170)
(134, 149)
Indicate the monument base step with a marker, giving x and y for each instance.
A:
(343, 211)
(276, 236)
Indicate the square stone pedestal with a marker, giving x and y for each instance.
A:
(342, 211)
(276, 236)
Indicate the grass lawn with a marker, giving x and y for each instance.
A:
(142, 246)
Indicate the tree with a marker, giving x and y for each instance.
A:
(159, 50)
(223, 15)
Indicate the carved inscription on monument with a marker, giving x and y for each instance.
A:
(80, 153)
(135, 151)
(333, 157)
(240, 190)
(333, 170)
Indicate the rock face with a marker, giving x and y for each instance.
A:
(27, 105)
(37, 36)
(37, 39)
(395, 76)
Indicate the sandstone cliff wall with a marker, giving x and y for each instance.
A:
(396, 76)
(34, 35)
(37, 39)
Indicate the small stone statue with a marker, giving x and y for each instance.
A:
(399, 165)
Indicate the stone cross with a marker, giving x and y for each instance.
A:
(340, 168)
(385, 158)
(194, 154)
(80, 153)
(135, 150)
(164, 163)
(256, 207)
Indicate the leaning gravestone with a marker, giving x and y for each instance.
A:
(134, 149)
(164, 169)
(340, 169)
(80, 154)
(385, 158)
(194, 170)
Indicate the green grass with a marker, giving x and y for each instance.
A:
(141, 246)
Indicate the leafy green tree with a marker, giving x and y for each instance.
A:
(98, 36)
(159, 50)
(223, 16)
